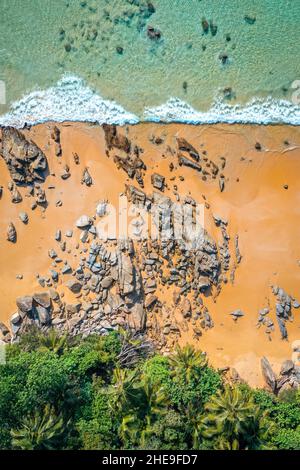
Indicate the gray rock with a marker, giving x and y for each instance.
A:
(54, 275)
(43, 315)
(23, 216)
(107, 282)
(15, 318)
(11, 233)
(16, 197)
(86, 178)
(83, 222)
(237, 313)
(24, 303)
(74, 286)
(287, 367)
(43, 299)
(268, 374)
(137, 318)
(101, 209)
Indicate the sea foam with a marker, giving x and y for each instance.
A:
(69, 100)
(257, 111)
(72, 100)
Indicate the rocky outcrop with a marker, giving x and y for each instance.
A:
(288, 378)
(25, 160)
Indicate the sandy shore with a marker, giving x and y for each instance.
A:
(260, 201)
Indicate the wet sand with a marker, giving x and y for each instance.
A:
(259, 209)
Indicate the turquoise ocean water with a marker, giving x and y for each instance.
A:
(233, 52)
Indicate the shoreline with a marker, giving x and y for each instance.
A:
(71, 99)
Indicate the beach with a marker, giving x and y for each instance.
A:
(259, 202)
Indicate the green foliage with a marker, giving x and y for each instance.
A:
(233, 419)
(108, 393)
(40, 431)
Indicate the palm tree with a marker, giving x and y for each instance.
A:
(53, 341)
(124, 384)
(187, 362)
(38, 431)
(234, 420)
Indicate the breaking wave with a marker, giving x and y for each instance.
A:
(69, 100)
(257, 111)
(72, 100)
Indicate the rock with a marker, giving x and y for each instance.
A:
(125, 274)
(203, 283)
(43, 315)
(54, 295)
(54, 275)
(107, 282)
(184, 161)
(205, 25)
(57, 235)
(52, 254)
(24, 159)
(221, 184)
(86, 178)
(74, 286)
(16, 197)
(24, 303)
(237, 313)
(150, 300)
(186, 308)
(250, 19)
(158, 181)
(11, 233)
(101, 209)
(83, 222)
(287, 367)
(114, 139)
(43, 299)
(224, 58)
(84, 236)
(15, 318)
(153, 33)
(23, 216)
(185, 146)
(66, 269)
(40, 197)
(137, 318)
(55, 134)
(268, 374)
(3, 329)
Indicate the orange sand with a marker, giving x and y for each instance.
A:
(258, 208)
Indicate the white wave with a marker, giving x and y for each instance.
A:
(69, 100)
(257, 111)
(72, 100)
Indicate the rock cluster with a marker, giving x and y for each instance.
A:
(288, 379)
(25, 160)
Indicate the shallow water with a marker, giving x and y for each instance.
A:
(41, 40)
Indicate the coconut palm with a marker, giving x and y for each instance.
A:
(53, 341)
(38, 431)
(234, 420)
(124, 384)
(187, 362)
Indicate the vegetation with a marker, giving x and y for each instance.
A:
(114, 392)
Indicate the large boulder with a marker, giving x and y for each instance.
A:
(24, 303)
(25, 160)
(268, 374)
(42, 299)
(137, 317)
